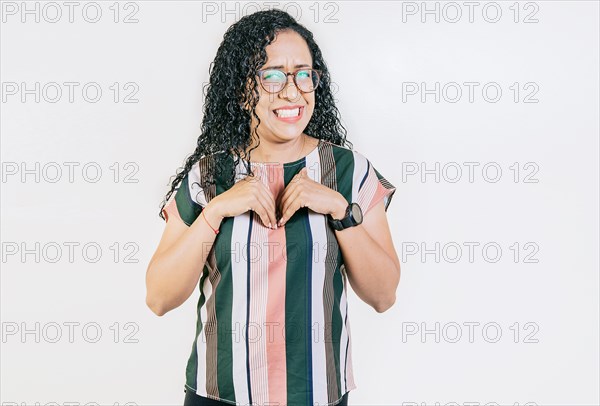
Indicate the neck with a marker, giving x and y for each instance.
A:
(278, 152)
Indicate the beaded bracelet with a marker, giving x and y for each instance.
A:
(215, 230)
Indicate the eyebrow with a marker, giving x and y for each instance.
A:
(281, 66)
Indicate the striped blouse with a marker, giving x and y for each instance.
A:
(273, 325)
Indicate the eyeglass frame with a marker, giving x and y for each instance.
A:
(294, 73)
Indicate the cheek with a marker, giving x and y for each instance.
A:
(264, 106)
(309, 109)
(262, 110)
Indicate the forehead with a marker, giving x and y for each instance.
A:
(288, 49)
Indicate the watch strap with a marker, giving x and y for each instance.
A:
(343, 223)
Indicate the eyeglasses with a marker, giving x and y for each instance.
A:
(275, 80)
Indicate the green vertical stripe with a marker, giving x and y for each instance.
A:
(330, 299)
(296, 303)
(344, 171)
(187, 207)
(224, 303)
(191, 371)
(223, 308)
(336, 322)
(344, 165)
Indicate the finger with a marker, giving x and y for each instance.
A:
(266, 203)
(288, 213)
(261, 193)
(263, 214)
(303, 174)
(289, 190)
(272, 203)
(266, 200)
(292, 204)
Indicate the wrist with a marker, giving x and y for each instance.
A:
(211, 212)
(339, 212)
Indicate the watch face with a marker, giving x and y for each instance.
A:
(357, 213)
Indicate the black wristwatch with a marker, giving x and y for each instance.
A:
(353, 217)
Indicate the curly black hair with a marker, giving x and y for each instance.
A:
(226, 124)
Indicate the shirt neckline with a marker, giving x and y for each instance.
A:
(298, 161)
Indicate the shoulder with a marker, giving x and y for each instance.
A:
(344, 156)
(194, 186)
(200, 169)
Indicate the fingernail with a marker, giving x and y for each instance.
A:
(270, 225)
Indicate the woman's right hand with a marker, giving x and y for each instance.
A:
(248, 194)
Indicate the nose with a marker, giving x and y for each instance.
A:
(290, 92)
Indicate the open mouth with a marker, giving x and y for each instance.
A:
(288, 113)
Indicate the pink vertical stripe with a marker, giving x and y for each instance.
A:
(380, 192)
(257, 345)
(275, 330)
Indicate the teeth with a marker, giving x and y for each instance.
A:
(288, 113)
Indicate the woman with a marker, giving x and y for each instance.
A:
(272, 215)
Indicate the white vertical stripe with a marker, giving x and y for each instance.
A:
(259, 285)
(346, 378)
(343, 341)
(360, 168)
(239, 238)
(367, 193)
(319, 252)
(349, 366)
(201, 342)
(196, 191)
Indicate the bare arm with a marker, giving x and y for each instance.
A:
(175, 267)
(370, 257)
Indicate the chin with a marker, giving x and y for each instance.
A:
(291, 132)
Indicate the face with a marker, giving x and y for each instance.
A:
(287, 52)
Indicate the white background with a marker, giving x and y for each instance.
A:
(372, 54)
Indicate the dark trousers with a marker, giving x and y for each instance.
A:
(192, 399)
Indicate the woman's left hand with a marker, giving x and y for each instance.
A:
(302, 191)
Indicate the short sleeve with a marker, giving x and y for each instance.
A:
(370, 185)
(188, 201)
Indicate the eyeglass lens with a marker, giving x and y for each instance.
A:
(275, 80)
